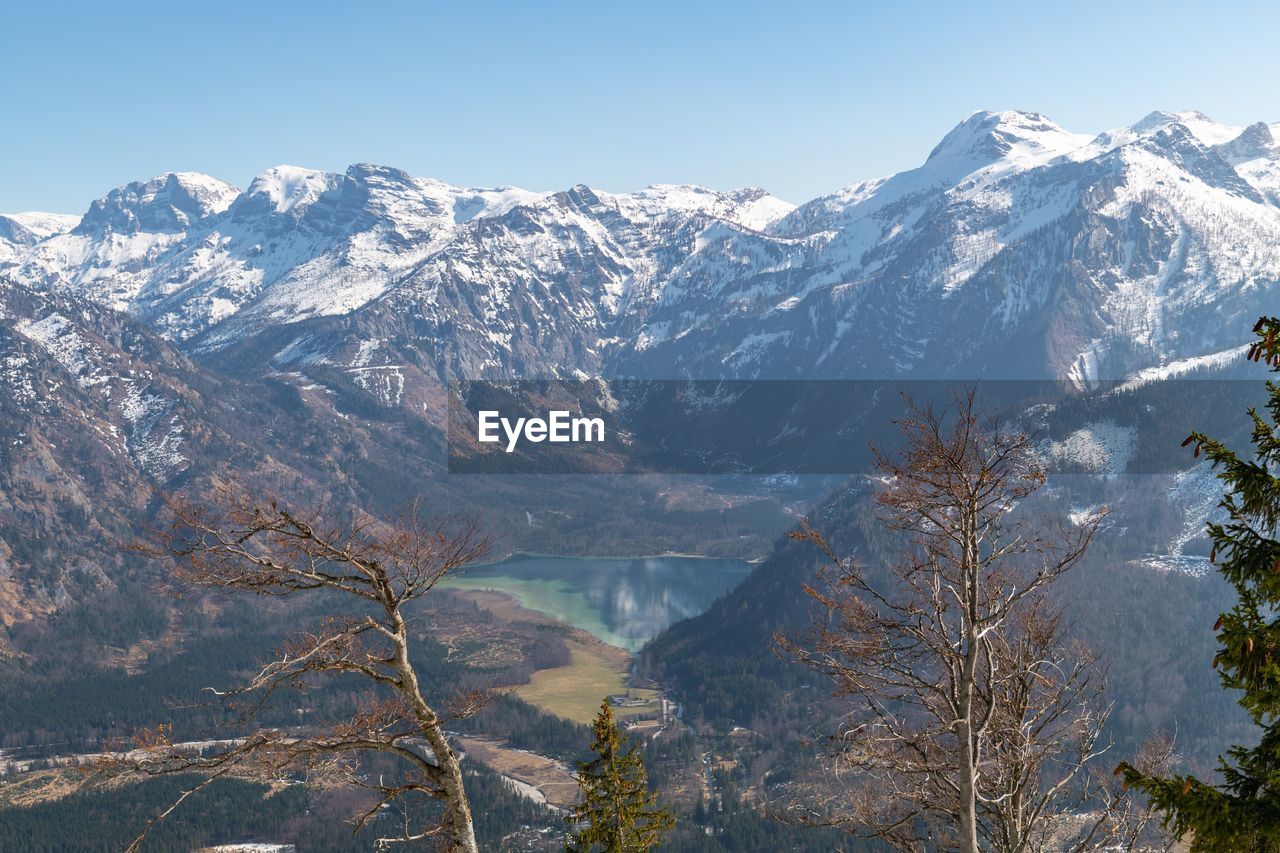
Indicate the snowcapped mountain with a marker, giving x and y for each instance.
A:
(295, 335)
(1017, 248)
(198, 259)
(339, 302)
(21, 231)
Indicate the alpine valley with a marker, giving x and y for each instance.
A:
(302, 335)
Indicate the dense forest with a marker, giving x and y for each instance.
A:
(233, 811)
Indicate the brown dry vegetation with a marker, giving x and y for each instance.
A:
(573, 691)
(550, 777)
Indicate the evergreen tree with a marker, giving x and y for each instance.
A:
(1243, 811)
(618, 812)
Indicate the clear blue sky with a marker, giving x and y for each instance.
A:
(800, 98)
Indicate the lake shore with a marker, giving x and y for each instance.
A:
(512, 555)
(596, 669)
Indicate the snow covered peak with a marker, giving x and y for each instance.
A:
(1160, 118)
(1012, 224)
(20, 231)
(472, 204)
(214, 195)
(757, 209)
(1196, 126)
(978, 153)
(283, 189)
(987, 137)
(374, 171)
(1254, 142)
(172, 202)
(751, 207)
(1204, 129)
(29, 228)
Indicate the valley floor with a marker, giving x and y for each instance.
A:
(596, 670)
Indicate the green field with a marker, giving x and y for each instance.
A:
(576, 691)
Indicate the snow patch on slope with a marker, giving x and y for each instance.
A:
(1196, 492)
(287, 187)
(1099, 448)
(58, 337)
(1183, 366)
(155, 436)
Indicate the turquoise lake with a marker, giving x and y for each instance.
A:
(623, 601)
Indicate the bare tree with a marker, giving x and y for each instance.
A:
(375, 570)
(1040, 787)
(973, 724)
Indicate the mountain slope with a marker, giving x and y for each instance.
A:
(334, 306)
(1016, 248)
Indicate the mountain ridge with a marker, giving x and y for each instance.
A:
(1017, 247)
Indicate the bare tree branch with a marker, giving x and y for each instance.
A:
(972, 724)
(243, 544)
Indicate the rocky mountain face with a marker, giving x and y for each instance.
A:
(484, 282)
(97, 413)
(100, 417)
(1016, 249)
